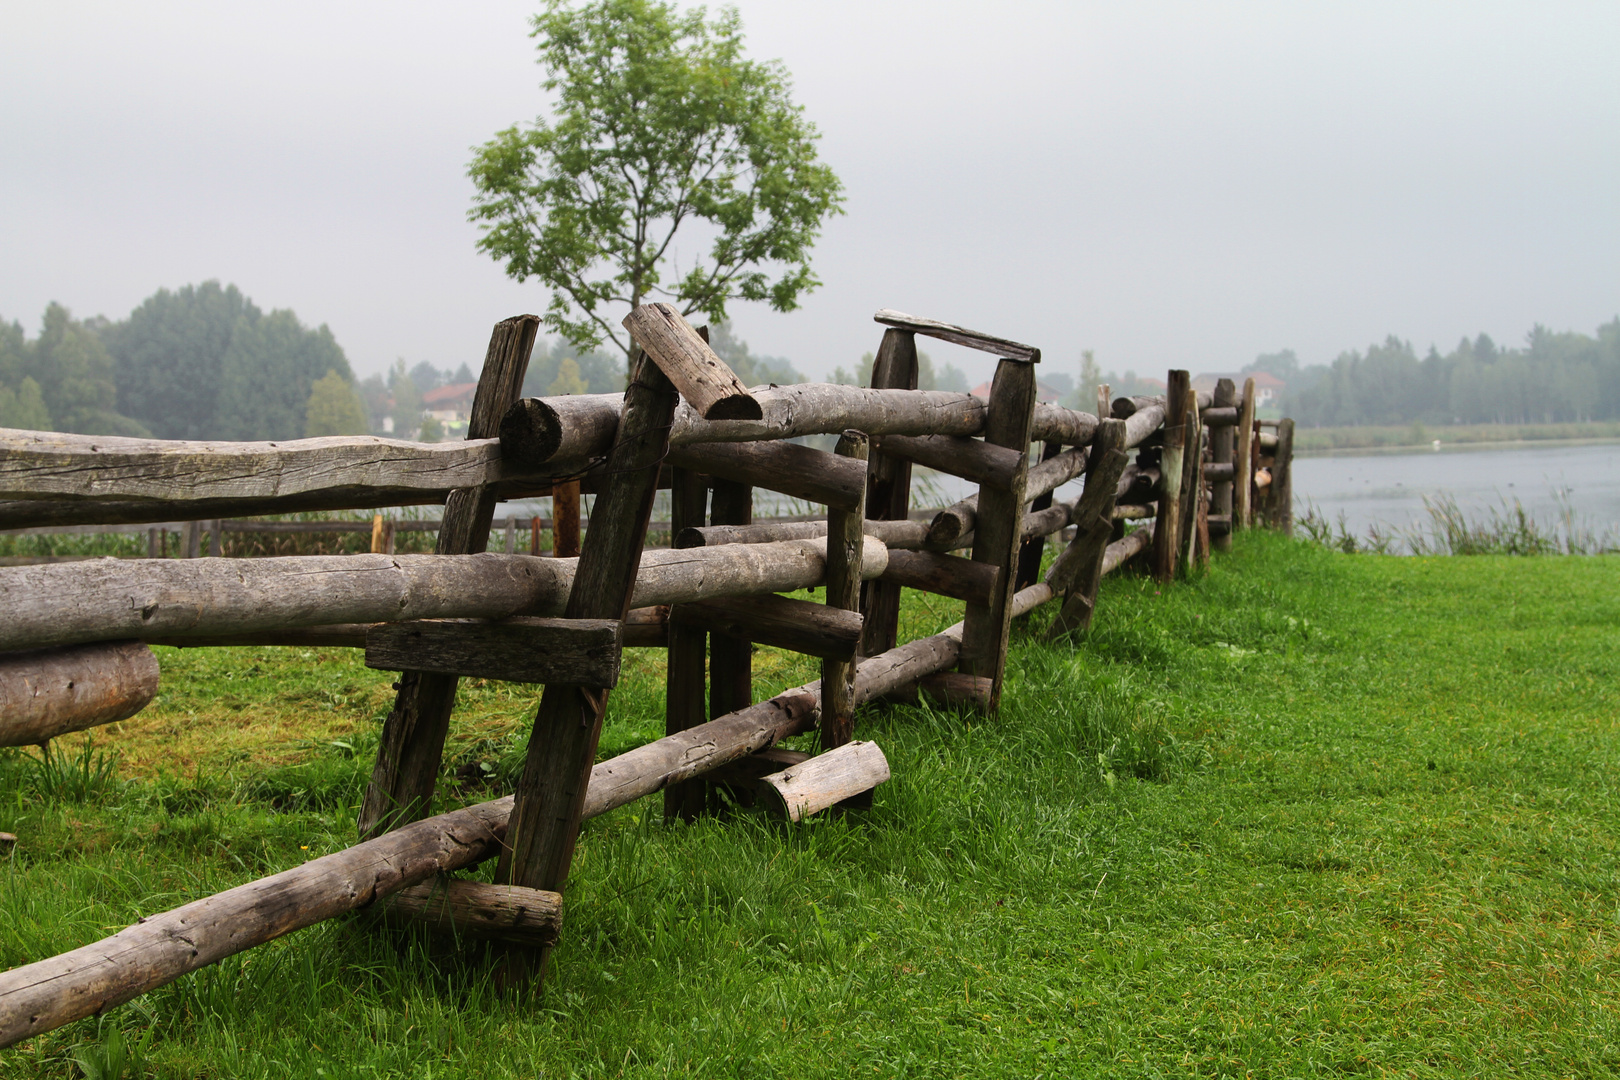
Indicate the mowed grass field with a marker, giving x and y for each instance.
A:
(1311, 814)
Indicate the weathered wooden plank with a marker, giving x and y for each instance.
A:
(478, 910)
(644, 627)
(685, 677)
(800, 471)
(412, 743)
(973, 339)
(1171, 468)
(850, 769)
(910, 535)
(1054, 423)
(1282, 479)
(550, 793)
(1032, 547)
(580, 651)
(1192, 490)
(999, 514)
(888, 492)
(954, 689)
(945, 575)
(781, 622)
(42, 465)
(702, 378)
(49, 692)
(565, 531)
(1243, 460)
(1220, 469)
(959, 519)
(731, 659)
(845, 545)
(971, 459)
(1077, 573)
(1127, 548)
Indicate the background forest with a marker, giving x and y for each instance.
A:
(205, 362)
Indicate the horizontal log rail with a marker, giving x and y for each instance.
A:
(111, 599)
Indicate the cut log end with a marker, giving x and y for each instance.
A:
(827, 779)
(531, 433)
(735, 408)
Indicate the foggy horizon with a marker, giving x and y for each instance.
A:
(1167, 185)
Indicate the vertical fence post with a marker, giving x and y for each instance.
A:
(999, 520)
(376, 534)
(192, 540)
(1221, 439)
(845, 536)
(534, 536)
(1243, 463)
(731, 659)
(154, 550)
(1282, 479)
(1076, 574)
(565, 519)
(511, 535)
(1172, 465)
(412, 746)
(1030, 551)
(550, 795)
(684, 676)
(888, 493)
(1192, 487)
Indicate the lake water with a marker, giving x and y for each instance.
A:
(1388, 489)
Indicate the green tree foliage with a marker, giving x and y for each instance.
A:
(407, 400)
(432, 430)
(603, 372)
(63, 379)
(373, 390)
(334, 408)
(751, 369)
(168, 355)
(950, 377)
(659, 122)
(1555, 377)
(268, 372)
(568, 380)
(204, 362)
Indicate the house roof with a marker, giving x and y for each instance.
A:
(453, 394)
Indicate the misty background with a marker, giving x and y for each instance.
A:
(1165, 185)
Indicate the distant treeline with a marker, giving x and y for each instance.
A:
(1555, 378)
(204, 362)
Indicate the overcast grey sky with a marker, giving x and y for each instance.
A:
(1170, 184)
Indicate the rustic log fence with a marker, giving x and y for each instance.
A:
(74, 652)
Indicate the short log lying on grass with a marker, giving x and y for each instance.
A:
(827, 779)
(49, 692)
(477, 909)
(162, 598)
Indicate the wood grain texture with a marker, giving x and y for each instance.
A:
(109, 599)
(49, 692)
(1282, 479)
(1243, 461)
(1171, 468)
(944, 575)
(908, 535)
(999, 515)
(1220, 470)
(579, 651)
(550, 793)
(685, 358)
(845, 545)
(476, 909)
(412, 743)
(781, 622)
(1077, 573)
(973, 339)
(686, 673)
(827, 779)
(970, 459)
(731, 659)
(956, 690)
(800, 471)
(888, 492)
(960, 518)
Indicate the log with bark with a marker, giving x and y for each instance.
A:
(848, 770)
(49, 692)
(112, 599)
(478, 910)
(684, 356)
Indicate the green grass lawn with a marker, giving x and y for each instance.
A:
(1311, 814)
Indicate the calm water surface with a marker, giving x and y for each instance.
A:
(1388, 489)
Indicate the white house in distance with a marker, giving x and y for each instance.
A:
(450, 405)
(1267, 388)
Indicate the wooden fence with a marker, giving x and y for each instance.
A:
(73, 652)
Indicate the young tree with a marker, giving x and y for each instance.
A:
(660, 122)
(334, 408)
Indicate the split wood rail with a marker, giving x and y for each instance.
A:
(73, 651)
